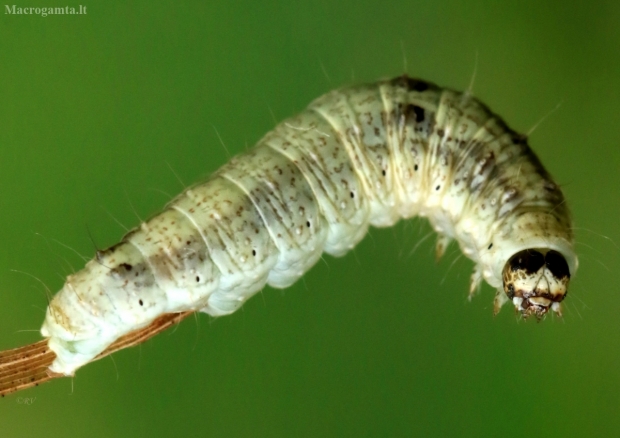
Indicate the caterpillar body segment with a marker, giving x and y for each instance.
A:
(359, 156)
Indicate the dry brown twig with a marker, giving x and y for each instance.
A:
(25, 367)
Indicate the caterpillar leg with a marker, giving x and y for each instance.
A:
(440, 247)
(474, 283)
(500, 300)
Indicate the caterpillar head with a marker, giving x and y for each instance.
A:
(536, 280)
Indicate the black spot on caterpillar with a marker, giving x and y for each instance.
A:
(358, 156)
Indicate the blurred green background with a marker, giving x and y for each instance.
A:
(95, 110)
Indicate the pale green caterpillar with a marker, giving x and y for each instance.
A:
(359, 156)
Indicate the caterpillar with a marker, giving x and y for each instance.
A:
(358, 156)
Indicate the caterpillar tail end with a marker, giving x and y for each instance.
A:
(31, 365)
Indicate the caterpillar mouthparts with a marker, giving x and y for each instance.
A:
(536, 280)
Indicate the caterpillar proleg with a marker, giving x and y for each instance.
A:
(358, 156)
